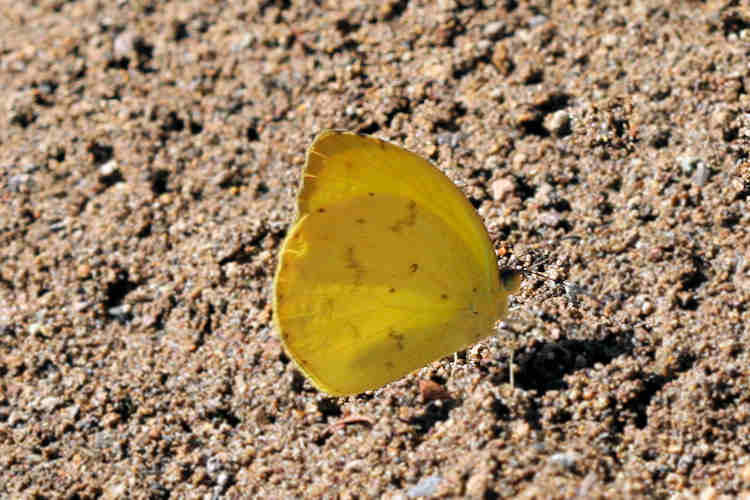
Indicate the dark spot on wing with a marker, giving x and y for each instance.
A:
(408, 220)
(444, 296)
(391, 290)
(413, 268)
(354, 265)
(360, 221)
(371, 194)
(398, 338)
(321, 210)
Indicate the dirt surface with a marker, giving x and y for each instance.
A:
(149, 157)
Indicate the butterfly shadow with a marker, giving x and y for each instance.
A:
(543, 366)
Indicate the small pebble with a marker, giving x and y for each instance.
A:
(558, 123)
(502, 188)
(425, 487)
(494, 29)
(565, 460)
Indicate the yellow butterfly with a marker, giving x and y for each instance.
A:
(386, 268)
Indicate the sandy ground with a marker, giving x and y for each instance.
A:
(149, 157)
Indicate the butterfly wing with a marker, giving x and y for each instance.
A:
(387, 268)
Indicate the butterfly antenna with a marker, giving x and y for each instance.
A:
(572, 291)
